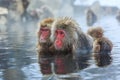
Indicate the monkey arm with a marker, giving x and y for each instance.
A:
(96, 46)
(52, 48)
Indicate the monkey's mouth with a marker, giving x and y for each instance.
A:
(42, 41)
(58, 44)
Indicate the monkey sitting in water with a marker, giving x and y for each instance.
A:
(60, 51)
(43, 48)
(91, 17)
(102, 46)
(69, 40)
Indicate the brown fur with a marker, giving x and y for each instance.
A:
(102, 46)
(45, 54)
(95, 32)
(75, 42)
(43, 48)
(74, 39)
(101, 43)
(45, 22)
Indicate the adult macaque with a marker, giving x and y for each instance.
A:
(91, 17)
(68, 38)
(102, 46)
(118, 16)
(66, 34)
(44, 43)
(44, 33)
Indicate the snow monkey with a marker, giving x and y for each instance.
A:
(66, 34)
(91, 17)
(68, 38)
(102, 46)
(44, 43)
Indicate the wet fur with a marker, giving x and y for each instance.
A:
(74, 39)
(102, 46)
(43, 48)
(101, 43)
(76, 42)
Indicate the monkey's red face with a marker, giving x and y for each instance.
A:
(44, 34)
(60, 35)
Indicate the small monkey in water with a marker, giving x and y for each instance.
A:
(102, 46)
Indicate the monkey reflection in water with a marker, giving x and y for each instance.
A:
(102, 46)
(45, 55)
(69, 39)
(62, 42)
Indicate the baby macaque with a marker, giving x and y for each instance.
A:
(102, 46)
(101, 43)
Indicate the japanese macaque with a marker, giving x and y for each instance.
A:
(44, 43)
(66, 34)
(91, 18)
(68, 38)
(102, 46)
(45, 12)
(25, 4)
(118, 16)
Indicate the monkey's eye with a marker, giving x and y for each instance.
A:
(61, 32)
(45, 30)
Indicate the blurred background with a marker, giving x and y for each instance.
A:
(18, 39)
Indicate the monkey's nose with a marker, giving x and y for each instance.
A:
(58, 44)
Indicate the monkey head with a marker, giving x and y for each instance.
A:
(44, 30)
(95, 32)
(64, 33)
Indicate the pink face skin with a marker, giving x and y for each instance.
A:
(60, 34)
(44, 34)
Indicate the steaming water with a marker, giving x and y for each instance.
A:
(18, 59)
(112, 72)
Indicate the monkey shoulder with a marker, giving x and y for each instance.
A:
(104, 43)
(45, 50)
